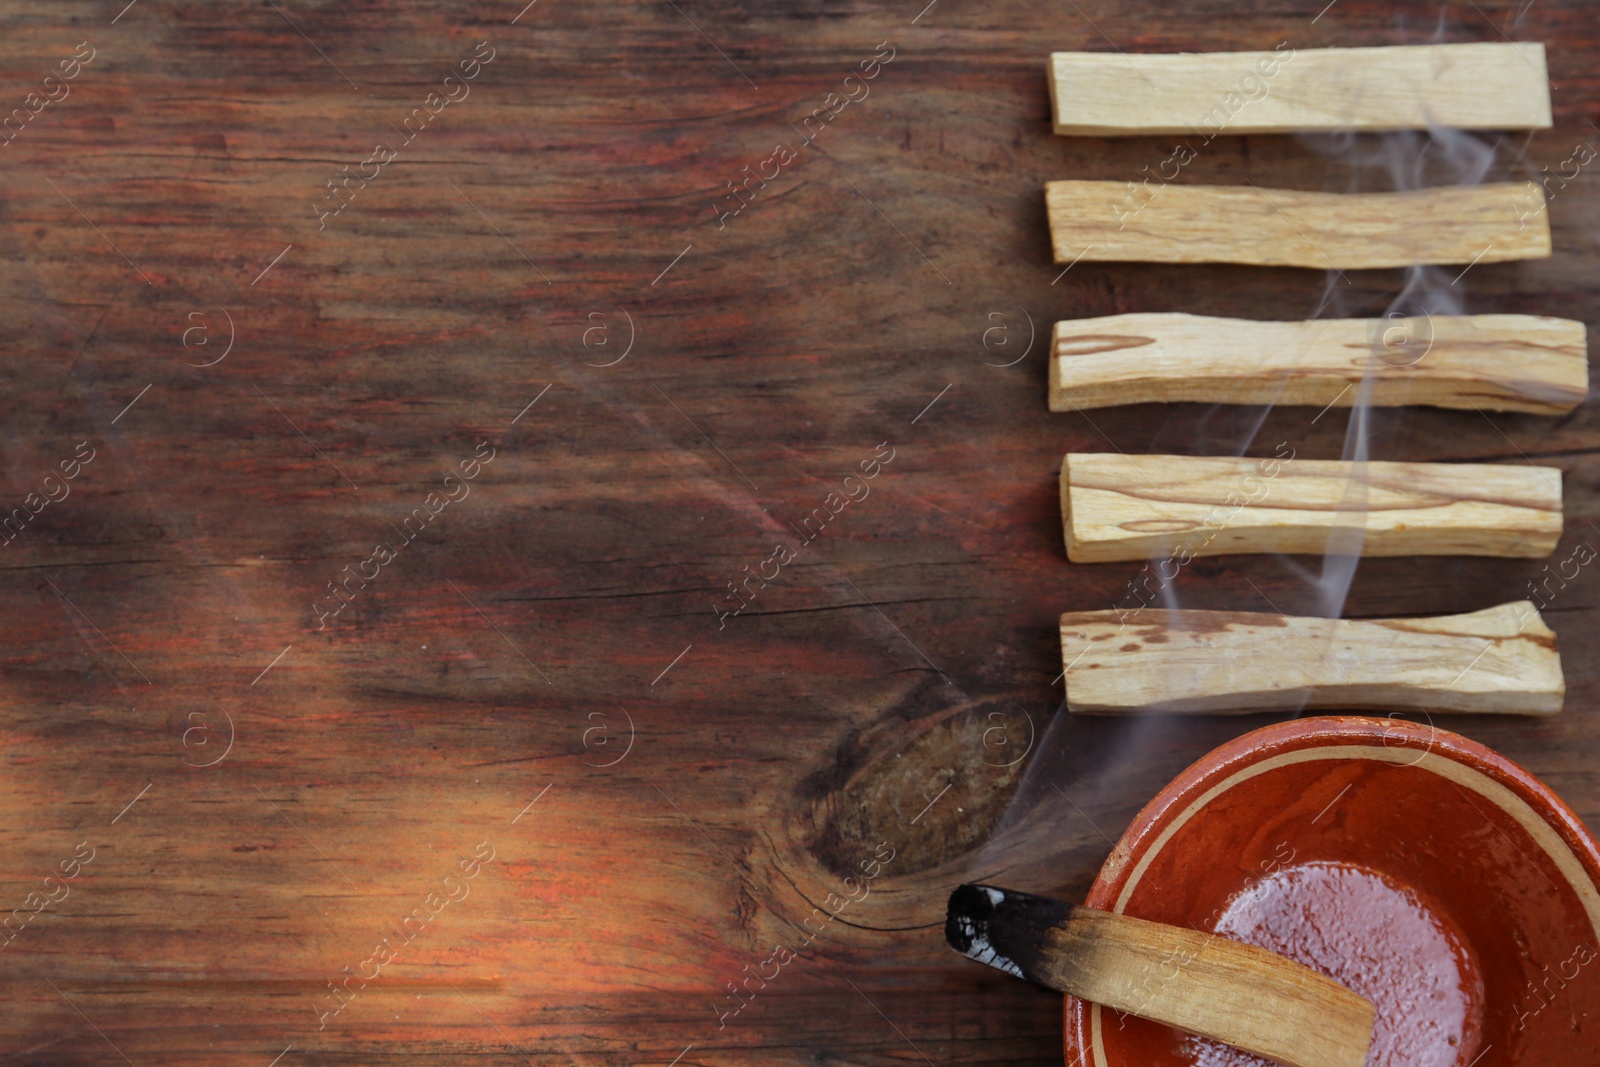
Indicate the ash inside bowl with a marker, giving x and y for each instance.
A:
(1382, 941)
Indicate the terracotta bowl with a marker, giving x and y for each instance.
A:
(1432, 876)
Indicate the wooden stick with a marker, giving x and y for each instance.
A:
(1489, 362)
(1201, 983)
(1120, 507)
(1486, 86)
(1501, 660)
(1120, 221)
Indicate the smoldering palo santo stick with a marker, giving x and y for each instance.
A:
(1121, 507)
(1209, 985)
(1090, 220)
(1501, 660)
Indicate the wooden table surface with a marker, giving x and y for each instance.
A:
(275, 741)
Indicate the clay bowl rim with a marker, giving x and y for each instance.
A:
(1352, 731)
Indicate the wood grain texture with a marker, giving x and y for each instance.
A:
(781, 749)
(1484, 86)
(1501, 660)
(1100, 221)
(1477, 362)
(1120, 507)
(1203, 983)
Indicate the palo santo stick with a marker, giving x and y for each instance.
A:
(1501, 660)
(1223, 989)
(1119, 222)
(1120, 507)
(1486, 86)
(1494, 362)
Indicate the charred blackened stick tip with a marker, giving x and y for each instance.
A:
(967, 916)
(1000, 927)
